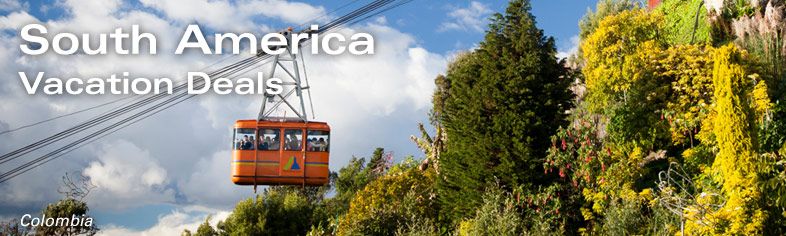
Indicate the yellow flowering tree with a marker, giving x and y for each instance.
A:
(734, 165)
(606, 51)
(391, 202)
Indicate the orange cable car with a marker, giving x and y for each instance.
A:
(261, 155)
(282, 150)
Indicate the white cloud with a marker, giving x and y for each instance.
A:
(16, 20)
(126, 173)
(171, 224)
(10, 5)
(572, 48)
(180, 156)
(234, 16)
(471, 18)
(214, 172)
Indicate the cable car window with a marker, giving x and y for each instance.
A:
(318, 141)
(244, 139)
(292, 139)
(269, 139)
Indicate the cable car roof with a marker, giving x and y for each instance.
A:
(251, 124)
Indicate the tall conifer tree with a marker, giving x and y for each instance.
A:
(505, 100)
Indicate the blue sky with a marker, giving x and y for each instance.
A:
(415, 42)
(422, 19)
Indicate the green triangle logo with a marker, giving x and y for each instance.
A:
(292, 164)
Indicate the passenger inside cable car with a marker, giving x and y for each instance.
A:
(293, 140)
(280, 153)
(268, 139)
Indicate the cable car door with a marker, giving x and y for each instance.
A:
(292, 155)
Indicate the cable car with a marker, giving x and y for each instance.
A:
(280, 153)
(278, 149)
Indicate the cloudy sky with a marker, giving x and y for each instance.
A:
(168, 172)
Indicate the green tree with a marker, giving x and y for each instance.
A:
(293, 210)
(505, 100)
(67, 208)
(204, 229)
(496, 216)
(590, 21)
(277, 211)
(391, 202)
(680, 20)
(14, 228)
(374, 162)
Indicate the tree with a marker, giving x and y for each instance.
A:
(390, 203)
(680, 20)
(293, 210)
(277, 211)
(608, 74)
(604, 8)
(505, 100)
(76, 187)
(737, 144)
(14, 228)
(204, 229)
(431, 146)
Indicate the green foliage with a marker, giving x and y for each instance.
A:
(651, 99)
(292, 210)
(389, 203)
(604, 8)
(274, 212)
(496, 216)
(623, 218)
(66, 208)
(772, 132)
(14, 228)
(772, 169)
(353, 178)
(680, 20)
(675, 82)
(374, 161)
(204, 229)
(505, 99)
(418, 227)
